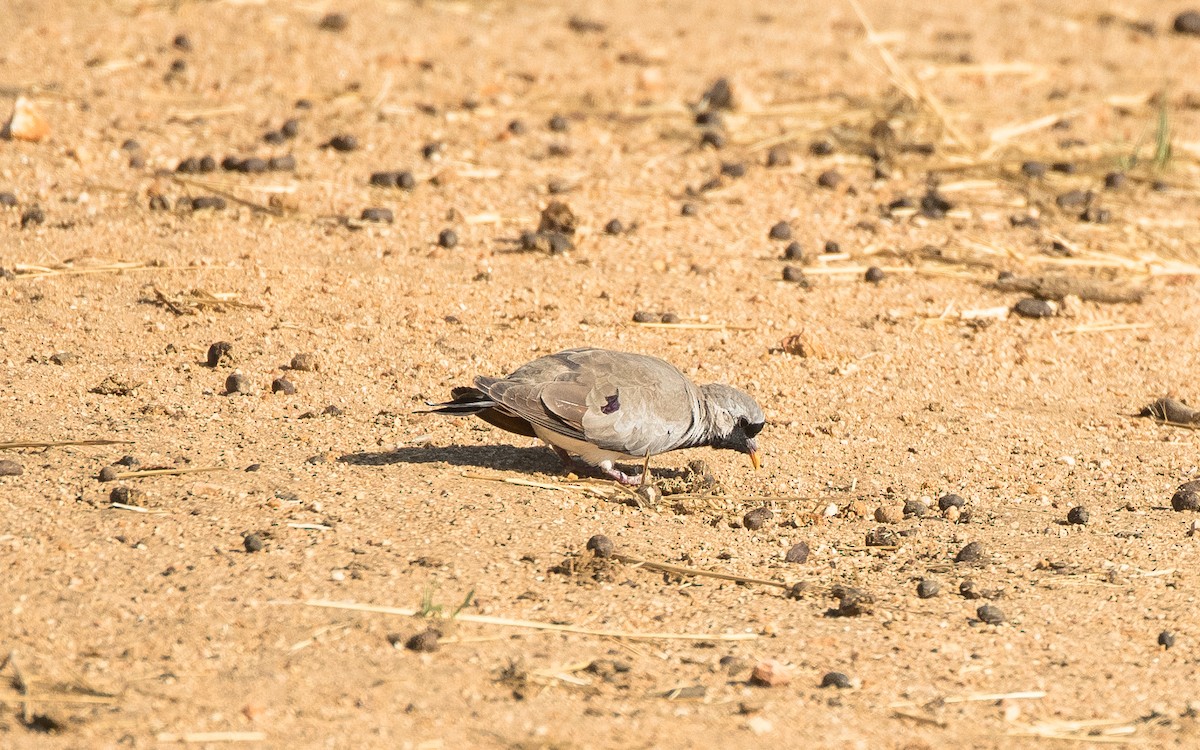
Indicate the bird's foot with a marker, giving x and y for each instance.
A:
(572, 464)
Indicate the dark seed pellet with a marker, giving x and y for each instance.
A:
(797, 554)
(709, 119)
(688, 209)
(558, 124)
(303, 104)
(712, 139)
(794, 251)
(780, 231)
(334, 22)
(190, 165)
(614, 226)
(1031, 307)
(182, 42)
(424, 642)
(273, 138)
(285, 163)
(1064, 167)
(875, 275)
(832, 247)
(822, 147)
(794, 274)
(837, 680)
(137, 161)
(600, 546)
(219, 353)
(971, 553)
(8, 200)
(1187, 22)
(384, 179)
(283, 385)
(934, 206)
(950, 501)
(237, 383)
(830, 179)
(757, 518)
(779, 156)
(1166, 639)
(33, 216)
(448, 238)
(252, 543)
(290, 128)
(179, 65)
(1073, 199)
(1078, 515)
(1115, 181)
(231, 163)
(1034, 169)
(1094, 215)
(131, 145)
(382, 215)
(209, 203)
(1185, 500)
(431, 150)
(928, 588)
(159, 203)
(253, 165)
(516, 127)
(990, 614)
(733, 169)
(343, 142)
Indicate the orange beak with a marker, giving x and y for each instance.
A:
(754, 460)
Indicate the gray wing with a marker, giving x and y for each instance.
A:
(629, 403)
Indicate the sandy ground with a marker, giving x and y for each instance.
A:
(149, 623)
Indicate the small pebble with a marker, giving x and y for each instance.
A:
(688, 209)
(822, 147)
(972, 553)
(62, 358)
(757, 518)
(179, 66)
(1073, 199)
(600, 546)
(889, 514)
(770, 673)
(380, 215)
(343, 143)
(1063, 167)
(125, 496)
(934, 206)
(305, 362)
(708, 119)
(1115, 181)
(832, 247)
(1166, 639)
(253, 165)
(33, 216)
(670, 317)
(109, 474)
(10, 468)
(285, 163)
(431, 150)
(642, 316)
(874, 275)
(779, 156)
(718, 96)
(797, 554)
(835, 680)
(273, 138)
(383, 179)
(794, 251)
(252, 543)
(881, 536)
(334, 22)
(182, 43)
(207, 164)
(219, 352)
(713, 139)
(1094, 215)
(1187, 22)
(558, 124)
(1031, 307)
(830, 179)
(990, 614)
(237, 383)
(968, 589)
(950, 500)
(424, 642)
(282, 385)
(7, 200)
(290, 128)
(1186, 500)
(127, 460)
(733, 169)
(447, 238)
(1078, 515)
(914, 508)
(516, 127)
(614, 226)
(780, 231)
(928, 588)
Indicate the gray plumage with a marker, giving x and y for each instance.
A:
(607, 406)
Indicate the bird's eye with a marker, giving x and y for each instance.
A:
(753, 429)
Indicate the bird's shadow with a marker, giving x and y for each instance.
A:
(498, 457)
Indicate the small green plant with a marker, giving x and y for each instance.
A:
(431, 609)
(1162, 142)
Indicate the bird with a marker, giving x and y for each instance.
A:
(609, 407)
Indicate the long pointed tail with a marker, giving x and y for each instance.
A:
(465, 401)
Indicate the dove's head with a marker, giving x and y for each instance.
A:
(734, 420)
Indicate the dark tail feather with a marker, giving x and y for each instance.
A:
(464, 401)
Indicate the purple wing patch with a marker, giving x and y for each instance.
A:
(611, 404)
